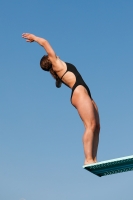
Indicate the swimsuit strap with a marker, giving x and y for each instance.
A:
(64, 74)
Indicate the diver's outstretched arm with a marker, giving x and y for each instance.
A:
(44, 43)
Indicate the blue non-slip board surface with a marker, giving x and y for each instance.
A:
(109, 167)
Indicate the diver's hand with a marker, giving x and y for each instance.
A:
(29, 37)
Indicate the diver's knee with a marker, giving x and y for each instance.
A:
(93, 125)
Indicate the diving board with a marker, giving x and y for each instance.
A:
(112, 166)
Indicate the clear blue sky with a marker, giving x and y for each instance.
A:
(41, 153)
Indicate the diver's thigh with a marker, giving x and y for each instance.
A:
(87, 111)
(96, 112)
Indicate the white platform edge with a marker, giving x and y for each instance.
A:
(108, 161)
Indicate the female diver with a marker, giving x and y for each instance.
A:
(81, 98)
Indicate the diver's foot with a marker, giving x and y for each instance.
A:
(87, 162)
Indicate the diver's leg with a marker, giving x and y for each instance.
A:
(89, 144)
(97, 131)
(87, 112)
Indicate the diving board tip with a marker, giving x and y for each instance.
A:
(112, 166)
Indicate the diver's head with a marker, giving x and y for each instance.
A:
(45, 63)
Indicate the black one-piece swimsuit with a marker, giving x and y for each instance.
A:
(79, 79)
